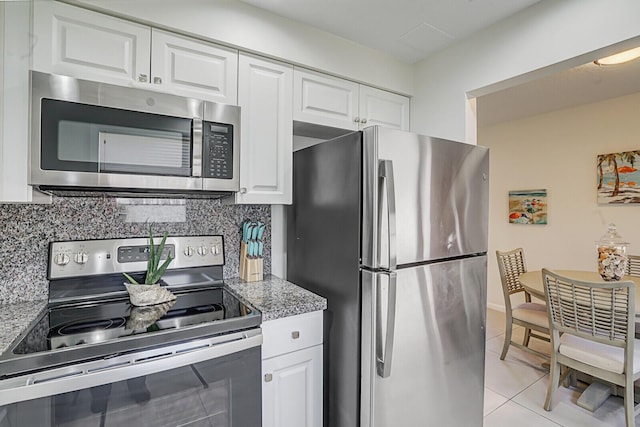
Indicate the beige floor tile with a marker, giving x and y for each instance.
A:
(511, 414)
(509, 377)
(492, 401)
(566, 412)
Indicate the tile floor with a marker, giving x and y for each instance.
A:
(515, 388)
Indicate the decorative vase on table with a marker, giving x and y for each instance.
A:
(612, 255)
(151, 292)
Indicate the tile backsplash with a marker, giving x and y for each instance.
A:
(27, 229)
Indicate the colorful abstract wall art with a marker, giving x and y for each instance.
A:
(528, 206)
(618, 178)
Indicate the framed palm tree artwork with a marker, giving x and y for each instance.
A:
(618, 177)
(528, 206)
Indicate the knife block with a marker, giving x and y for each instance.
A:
(251, 268)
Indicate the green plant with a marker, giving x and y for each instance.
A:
(154, 269)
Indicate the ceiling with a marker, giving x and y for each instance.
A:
(411, 30)
(576, 86)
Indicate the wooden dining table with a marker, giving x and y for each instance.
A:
(596, 393)
(532, 282)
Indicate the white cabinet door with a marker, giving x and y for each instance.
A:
(379, 107)
(292, 389)
(325, 100)
(194, 68)
(330, 101)
(266, 155)
(89, 45)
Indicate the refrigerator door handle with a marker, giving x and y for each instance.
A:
(384, 355)
(385, 172)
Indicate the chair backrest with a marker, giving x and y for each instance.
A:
(511, 264)
(598, 311)
(633, 265)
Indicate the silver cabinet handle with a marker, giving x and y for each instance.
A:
(385, 172)
(268, 378)
(356, 119)
(363, 121)
(142, 78)
(243, 190)
(196, 129)
(295, 335)
(157, 80)
(384, 355)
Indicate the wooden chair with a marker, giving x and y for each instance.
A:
(532, 316)
(633, 265)
(596, 321)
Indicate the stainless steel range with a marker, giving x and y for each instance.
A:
(91, 358)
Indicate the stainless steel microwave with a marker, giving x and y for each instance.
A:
(89, 137)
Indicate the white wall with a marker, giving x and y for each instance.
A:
(542, 39)
(557, 151)
(249, 28)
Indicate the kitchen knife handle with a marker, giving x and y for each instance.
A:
(384, 355)
(386, 174)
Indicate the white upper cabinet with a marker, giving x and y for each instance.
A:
(331, 101)
(266, 158)
(322, 99)
(79, 43)
(84, 44)
(194, 68)
(379, 107)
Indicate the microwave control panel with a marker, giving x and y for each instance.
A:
(217, 150)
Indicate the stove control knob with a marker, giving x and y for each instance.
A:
(188, 251)
(215, 249)
(81, 257)
(61, 259)
(202, 250)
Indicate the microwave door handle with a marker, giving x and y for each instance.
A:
(385, 172)
(196, 154)
(384, 354)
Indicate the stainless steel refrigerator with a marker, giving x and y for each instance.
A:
(391, 227)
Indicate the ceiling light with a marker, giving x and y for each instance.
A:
(619, 58)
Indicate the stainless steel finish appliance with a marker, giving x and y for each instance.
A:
(94, 137)
(391, 227)
(92, 359)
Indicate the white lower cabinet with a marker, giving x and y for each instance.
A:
(292, 371)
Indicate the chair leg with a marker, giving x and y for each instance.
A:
(554, 378)
(527, 335)
(507, 339)
(629, 404)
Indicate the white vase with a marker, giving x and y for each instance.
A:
(143, 295)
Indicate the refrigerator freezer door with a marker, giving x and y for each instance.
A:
(436, 372)
(440, 191)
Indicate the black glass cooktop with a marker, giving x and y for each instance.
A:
(98, 329)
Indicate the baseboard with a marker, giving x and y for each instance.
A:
(496, 307)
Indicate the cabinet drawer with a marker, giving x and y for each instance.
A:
(293, 333)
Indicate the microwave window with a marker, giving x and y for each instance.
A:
(89, 138)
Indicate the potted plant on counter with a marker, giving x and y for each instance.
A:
(150, 292)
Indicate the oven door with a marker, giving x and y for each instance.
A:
(210, 382)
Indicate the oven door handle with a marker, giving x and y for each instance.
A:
(124, 367)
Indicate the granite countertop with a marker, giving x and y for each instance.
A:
(276, 298)
(273, 297)
(15, 318)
